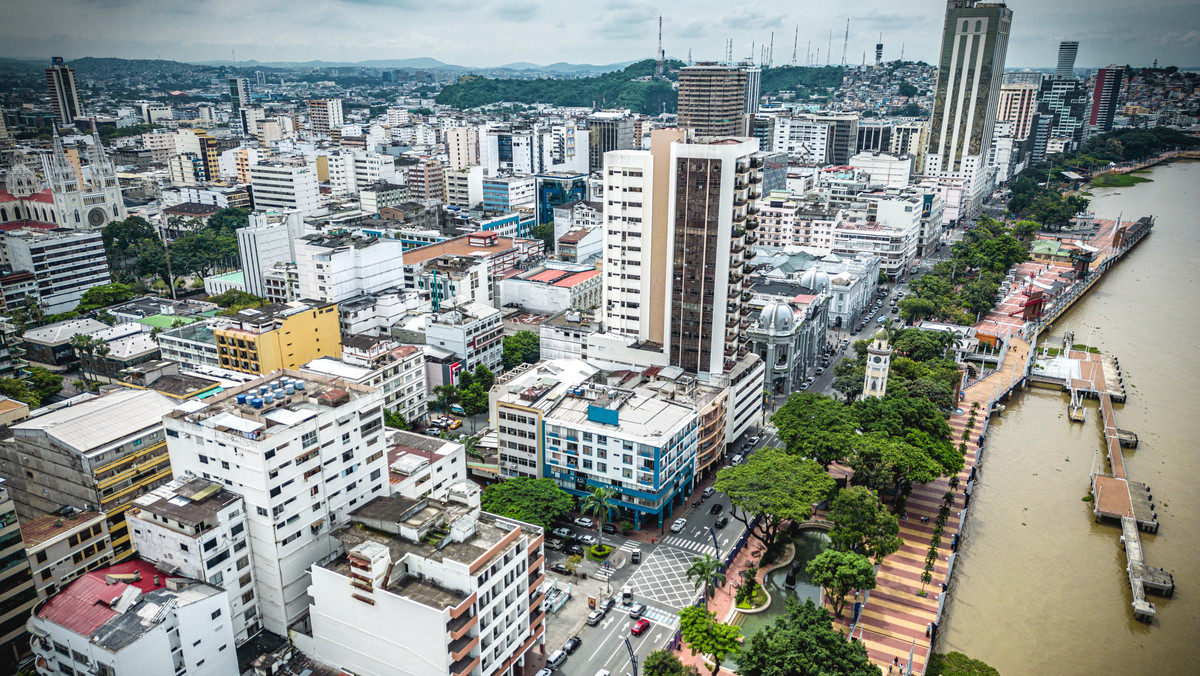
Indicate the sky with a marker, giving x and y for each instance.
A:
(496, 32)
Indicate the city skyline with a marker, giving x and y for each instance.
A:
(1108, 31)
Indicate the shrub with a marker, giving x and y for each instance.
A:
(626, 526)
(599, 552)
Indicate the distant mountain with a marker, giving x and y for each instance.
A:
(426, 63)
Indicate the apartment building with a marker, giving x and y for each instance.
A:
(518, 402)
(449, 279)
(787, 219)
(429, 588)
(98, 454)
(336, 268)
(462, 147)
(399, 374)
(195, 528)
(65, 545)
(381, 195)
(281, 335)
(804, 139)
(424, 467)
(464, 187)
(472, 331)
(504, 193)
(129, 619)
(18, 594)
(712, 99)
(500, 253)
(65, 264)
(325, 115)
(302, 451)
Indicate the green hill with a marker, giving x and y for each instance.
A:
(785, 78)
(618, 89)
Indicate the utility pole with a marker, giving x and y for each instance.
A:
(633, 660)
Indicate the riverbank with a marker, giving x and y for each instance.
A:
(1041, 587)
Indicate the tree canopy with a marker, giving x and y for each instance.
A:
(105, 295)
(775, 486)
(704, 635)
(840, 573)
(536, 501)
(523, 347)
(815, 426)
(861, 524)
(957, 664)
(666, 663)
(803, 642)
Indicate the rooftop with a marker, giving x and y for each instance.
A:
(192, 209)
(91, 425)
(53, 334)
(190, 501)
(50, 526)
(465, 245)
(642, 413)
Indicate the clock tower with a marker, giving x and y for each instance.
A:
(879, 358)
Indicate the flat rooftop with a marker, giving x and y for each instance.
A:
(463, 245)
(49, 526)
(188, 501)
(641, 412)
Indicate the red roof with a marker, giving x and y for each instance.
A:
(33, 225)
(43, 196)
(549, 276)
(804, 298)
(6, 196)
(576, 279)
(84, 605)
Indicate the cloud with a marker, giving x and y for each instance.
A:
(751, 17)
(692, 29)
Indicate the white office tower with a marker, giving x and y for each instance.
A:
(195, 528)
(628, 204)
(285, 186)
(804, 139)
(970, 72)
(462, 147)
(304, 452)
(269, 239)
(337, 268)
(1067, 49)
(430, 588)
(130, 620)
(324, 115)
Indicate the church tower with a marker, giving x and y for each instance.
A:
(879, 359)
(89, 204)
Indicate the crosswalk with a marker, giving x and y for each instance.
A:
(681, 543)
(604, 573)
(630, 546)
(662, 617)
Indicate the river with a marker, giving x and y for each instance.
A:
(1042, 588)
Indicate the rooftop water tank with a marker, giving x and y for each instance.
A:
(299, 385)
(256, 402)
(268, 399)
(241, 399)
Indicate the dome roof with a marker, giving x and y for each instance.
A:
(777, 318)
(815, 279)
(881, 334)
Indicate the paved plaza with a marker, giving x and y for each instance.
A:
(662, 577)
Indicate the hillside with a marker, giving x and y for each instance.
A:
(786, 78)
(618, 89)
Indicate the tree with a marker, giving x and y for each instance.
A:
(545, 232)
(84, 346)
(1025, 230)
(861, 524)
(957, 664)
(597, 503)
(775, 487)
(749, 585)
(523, 347)
(815, 426)
(913, 310)
(104, 296)
(20, 391)
(840, 573)
(666, 663)
(537, 501)
(704, 635)
(44, 383)
(395, 420)
(445, 396)
(706, 571)
(803, 642)
(229, 219)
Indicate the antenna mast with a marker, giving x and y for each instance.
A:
(845, 42)
(796, 44)
(829, 48)
(658, 68)
(771, 51)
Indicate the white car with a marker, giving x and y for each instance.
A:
(561, 532)
(752, 440)
(589, 540)
(679, 525)
(584, 522)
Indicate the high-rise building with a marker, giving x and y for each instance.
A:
(277, 336)
(753, 87)
(339, 267)
(18, 594)
(556, 188)
(1066, 101)
(1018, 102)
(239, 98)
(285, 186)
(608, 130)
(303, 451)
(1104, 97)
(462, 146)
(324, 115)
(970, 72)
(1067, 49)
(427, 180)
(99, 454)
(712, 99)
(60, 78)
(65, 264)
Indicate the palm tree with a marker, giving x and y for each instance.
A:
(597, 503)
(101, 348)
(83, 346)
(706, 570)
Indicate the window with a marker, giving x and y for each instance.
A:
(237, 529)
(248, 596)
(216, 613)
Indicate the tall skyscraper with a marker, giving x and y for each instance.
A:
(1067, 49)
(970, 72)
(712, 99)
(1104, 97)
(1017, 105)
(609, 130)
(239, 97)
(753, 87)
(60, 78)
(324, 115)
(1065, 99)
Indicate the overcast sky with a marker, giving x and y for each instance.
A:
(494, 32)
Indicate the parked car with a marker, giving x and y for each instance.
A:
(433, 432)
(737, 459)
(562, 532)
(556, 659)
(455, 425)
(589, 540)
(575, 550)
(753, 440)
(721, 522)
(609, 528)
(594, 618)
(584, 522)
(572, 645)
(709, 491)
(820, 370)
(555, 544)
(639, 627)
(545, 671)
(561, 569)
(604, 672)
(679, 524)
(606, 605)
(636, 610)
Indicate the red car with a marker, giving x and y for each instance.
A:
(639, 627)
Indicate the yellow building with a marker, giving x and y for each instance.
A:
(279, 336)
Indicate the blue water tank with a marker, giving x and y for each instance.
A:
(241, 399)
(290, 389)
(300, 385)
(256, 402)
(268, 399)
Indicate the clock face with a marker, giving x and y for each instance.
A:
(878, 359)
(96, 217)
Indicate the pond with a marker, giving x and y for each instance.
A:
(809, 543)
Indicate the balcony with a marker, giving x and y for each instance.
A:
(752, 224)
(460, 625)
(461, 648)
(464, 666)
